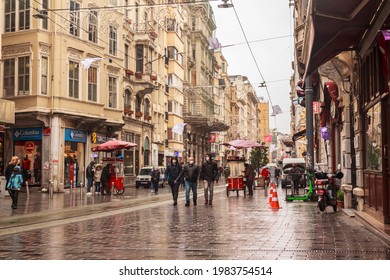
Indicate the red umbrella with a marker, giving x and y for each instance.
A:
(113, 145)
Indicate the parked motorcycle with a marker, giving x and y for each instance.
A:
(326, 189)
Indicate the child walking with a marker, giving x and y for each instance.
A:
(97, 176)
(14, 185)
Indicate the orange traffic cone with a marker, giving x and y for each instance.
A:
(272, 189)
(274, 200)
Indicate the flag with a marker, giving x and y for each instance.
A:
(178, 128)
(276, 110)
(268, 138)
(386, 34)
(214, 43)
(212, 138)
(88, 61)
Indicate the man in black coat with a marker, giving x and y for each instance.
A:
(105, 179)
(190, 174)
(172, 174)
(209, 174)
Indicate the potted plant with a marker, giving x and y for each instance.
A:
(153, 77)
(129, 72)
(138, 114)
(340, 198)
(138, 75)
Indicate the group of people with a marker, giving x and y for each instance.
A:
(99, 176)
(208, 173)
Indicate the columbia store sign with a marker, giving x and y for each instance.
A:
(29, 133)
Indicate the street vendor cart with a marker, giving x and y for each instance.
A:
(235, 182)
(115, 182)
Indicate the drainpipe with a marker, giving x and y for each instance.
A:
(309, 123)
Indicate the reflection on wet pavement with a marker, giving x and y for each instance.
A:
(232, 228)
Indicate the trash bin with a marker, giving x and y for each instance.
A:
(3, 182)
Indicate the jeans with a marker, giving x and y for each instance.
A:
(97, 186)
(208, 186)
(191, 186)
(89, 184)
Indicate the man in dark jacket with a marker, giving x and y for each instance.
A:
(171, 174)
(105, 179)
(155, 179)
(190, 173)
(209, 174)
(249, 175)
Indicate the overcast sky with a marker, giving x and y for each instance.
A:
(260, 20)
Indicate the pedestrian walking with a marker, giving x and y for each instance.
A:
(277, 175)
(10, 168)
(190, 173)
(249, 175)
(266, 175)
(209, 174)
(14, 185)
(105, 179)
(155, 179)
(26, 165)
(90, 172)
(97, 177)
(37, 165)
(295, 174)
(171, 174)
(226, 173)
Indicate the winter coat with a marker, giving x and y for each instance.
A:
(249, 172)
(190, 172)
(209, 171)
(106, 174)
(15, 182)
(98, 173)
(90, 169)
(173, 171)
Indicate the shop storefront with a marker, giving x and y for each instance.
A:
(28, 147)
(74, 157)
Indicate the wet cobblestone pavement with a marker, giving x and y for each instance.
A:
(144, 226)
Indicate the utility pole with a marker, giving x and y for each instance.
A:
(309, 123)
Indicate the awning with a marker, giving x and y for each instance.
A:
(299, 135)
(336, 26)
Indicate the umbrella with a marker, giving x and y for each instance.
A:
(113, 145)
(241, 143)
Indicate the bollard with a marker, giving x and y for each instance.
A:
(81, 190)
(51, 189)
(112, 190)
(27, 190)
(3, 183)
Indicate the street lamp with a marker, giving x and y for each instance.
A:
(225, 4)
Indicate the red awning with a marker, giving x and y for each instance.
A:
(337, 26)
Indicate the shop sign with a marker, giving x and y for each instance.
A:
(25, 134)
(98, 138)
(73, 135)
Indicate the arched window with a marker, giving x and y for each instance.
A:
(147, 107)
(138, 103)
(127, 98)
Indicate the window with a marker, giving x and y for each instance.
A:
(9, 77)
(73, 79)
(74, 18)
(45, 5)
(126, 61)
(173, 53)
(112, 94)
(24, 75)
(24, 14)
(150, 59)
(92, 27)
(44, 74)
(373, 138)
(16, 15)
(113, 41)
(10, 15)
(147, 107)
(92, 84)
(138, 102)
(127, 101)
(139, 56)
(175, 81)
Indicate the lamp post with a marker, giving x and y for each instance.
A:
(309, 122)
